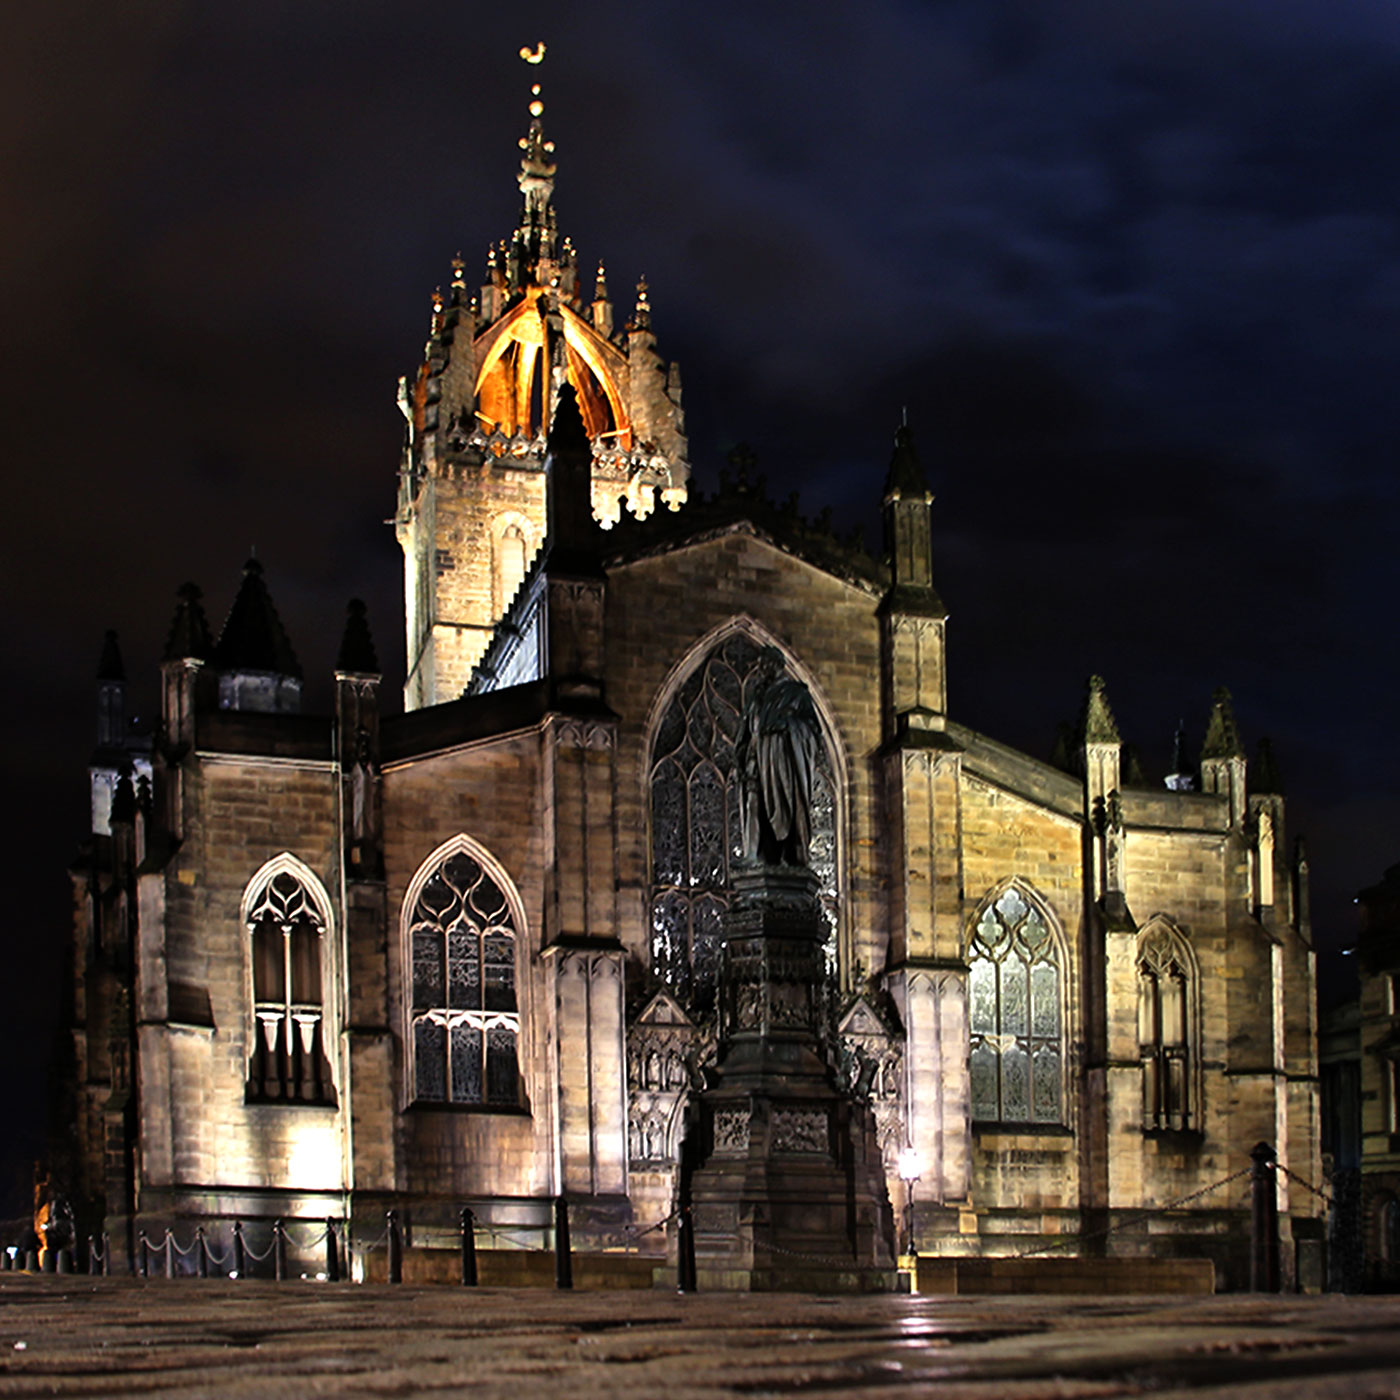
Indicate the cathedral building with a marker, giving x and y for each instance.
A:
(468, 952)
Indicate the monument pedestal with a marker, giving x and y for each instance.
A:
(789, 1192)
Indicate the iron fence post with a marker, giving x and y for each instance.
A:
(468, 1227)
(395, 1248)
(563, 1254)
(1263, 1253)
(685, 1252)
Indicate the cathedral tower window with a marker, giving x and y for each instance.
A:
(286, 917)
(1166, 1025)
(511, 559)
(464, 1023)
(1016, 1013)
(695, 835)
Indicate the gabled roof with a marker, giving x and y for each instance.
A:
(253, 638)
(737, 504)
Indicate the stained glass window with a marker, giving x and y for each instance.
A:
(1015, 1019)
(1164, 1025)
(465, 1026)
(286, 926)
(695, 821)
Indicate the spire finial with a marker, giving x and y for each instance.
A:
(1098, 724)
(641, 317)
(535, 237)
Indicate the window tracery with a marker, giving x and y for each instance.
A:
(286, 925)
(1165, 1029)
(696, 837)
(1015, 1014)
(464, 1025)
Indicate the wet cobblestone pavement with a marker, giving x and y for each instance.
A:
(111, 1337)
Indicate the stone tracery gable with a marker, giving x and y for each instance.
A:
(666, 1051)
(871, 1052)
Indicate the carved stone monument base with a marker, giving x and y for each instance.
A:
(788, 1191)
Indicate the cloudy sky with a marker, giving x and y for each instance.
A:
(1133, 270)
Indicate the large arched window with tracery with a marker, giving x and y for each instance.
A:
(1015, 1013)
(1166, 1025)
(286, 918)
(695, 836)
(464, 1024)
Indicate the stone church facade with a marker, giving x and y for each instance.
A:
(329, 965)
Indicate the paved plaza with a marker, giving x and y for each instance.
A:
(71, 1336)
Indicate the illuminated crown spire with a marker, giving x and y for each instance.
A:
(534, 239)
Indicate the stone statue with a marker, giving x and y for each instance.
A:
(778, 747)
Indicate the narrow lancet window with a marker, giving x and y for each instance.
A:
(1165, 993)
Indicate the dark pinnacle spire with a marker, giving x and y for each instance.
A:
(189, 632)
(1222, 734)
(357, 652)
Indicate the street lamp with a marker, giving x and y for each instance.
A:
(909, 1168)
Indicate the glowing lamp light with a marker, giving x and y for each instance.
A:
(910, 1167)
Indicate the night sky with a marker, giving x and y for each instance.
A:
(1133, 270)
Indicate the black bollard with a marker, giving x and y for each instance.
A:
(106, 1253)
(49, 1259)
(332, 1254)
(92, 1263)
(65, 1261)
(685, 1253)
(169, 1254)
(240, 1260)
(468, 1223)
(563, 1254)
(395, 1250)
(31, 1261)
(142, 1251)
(202, 1249)
(1263, 1253)
(279, 1251)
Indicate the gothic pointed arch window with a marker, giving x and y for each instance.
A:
(1167, 993)
(695, 835)
(462, 922)
(1016, 1017)
(286, 915)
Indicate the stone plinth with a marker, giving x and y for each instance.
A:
(789, 1192)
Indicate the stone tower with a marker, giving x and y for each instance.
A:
(471, 510)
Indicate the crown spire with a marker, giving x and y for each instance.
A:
(534, 239)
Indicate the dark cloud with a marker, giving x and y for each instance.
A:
(1134, 270)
